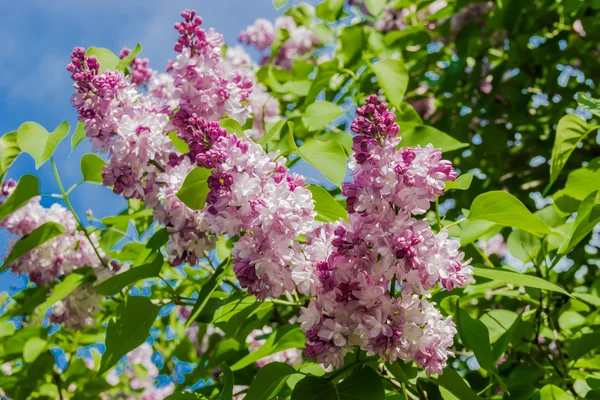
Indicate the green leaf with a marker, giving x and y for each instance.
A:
(227, 391)
(33, 348)
(590, 104)
(570, 131)
(473, 230)
(269, 135)
(352, 43)
(129, 330)
(194, 190)
(422, 135)
(78, 135)
(463, 182)
(505, 209)
(38, 236)
(179, 144)
(326, 207)
(320, 114)
(578, 347)
(107, 59)
(9, 151)
(67, 286)
(7, 328)
(34, 139)
(475, 336)
(588, 216)
(330, 10)
(114, 284)
(269, 381)
(208, 288)
(285, 337)
(583, 181)
(325, 72)
(91, 168)
(517, 278)
(364, 384)
(116, 219)
(124, 62)
(375, 7)
(523, 245)
(326, 156)
(552, 392)
(455, 383)
(232, 126)
(504, 340)
(498, 321)
(27, 188)
(392, 77)
(279, 3)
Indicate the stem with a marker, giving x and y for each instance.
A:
(157, 165)
(65, 197)
(393, 287)
(284, 302)
(483, 255)
(437, 214)
(58, 383)
(455, 223)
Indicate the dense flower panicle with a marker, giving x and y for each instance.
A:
(140, 73)
(261, 34)
(251, 194)
(76, 311)
(201, 81)
(301, 40)
(190, 238)
(162, 87)
(56, 257)
(141, 357)
(100, 100)
(350, 266)
(265, 108)
(139, 145)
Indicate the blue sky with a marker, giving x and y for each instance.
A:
(36, 40)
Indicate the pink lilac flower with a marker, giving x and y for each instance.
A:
(76, 311)
(253, 195)
(202, 85)
(190, 237)
(139, 145)
(495, 245)
(301, 40)
(261, 34)
(265, 108)
(100, 100)
(351, 266)
(140, 74)
(56, 257)
(141, 357)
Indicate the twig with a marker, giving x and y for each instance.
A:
(65, 197)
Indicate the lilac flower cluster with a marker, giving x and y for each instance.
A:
(140, 73)
(262, 34)
(202, 83)
(265, 108)
(354, 268)
(251, 192)
(251, 195)
(56, 257)
(140, 359)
